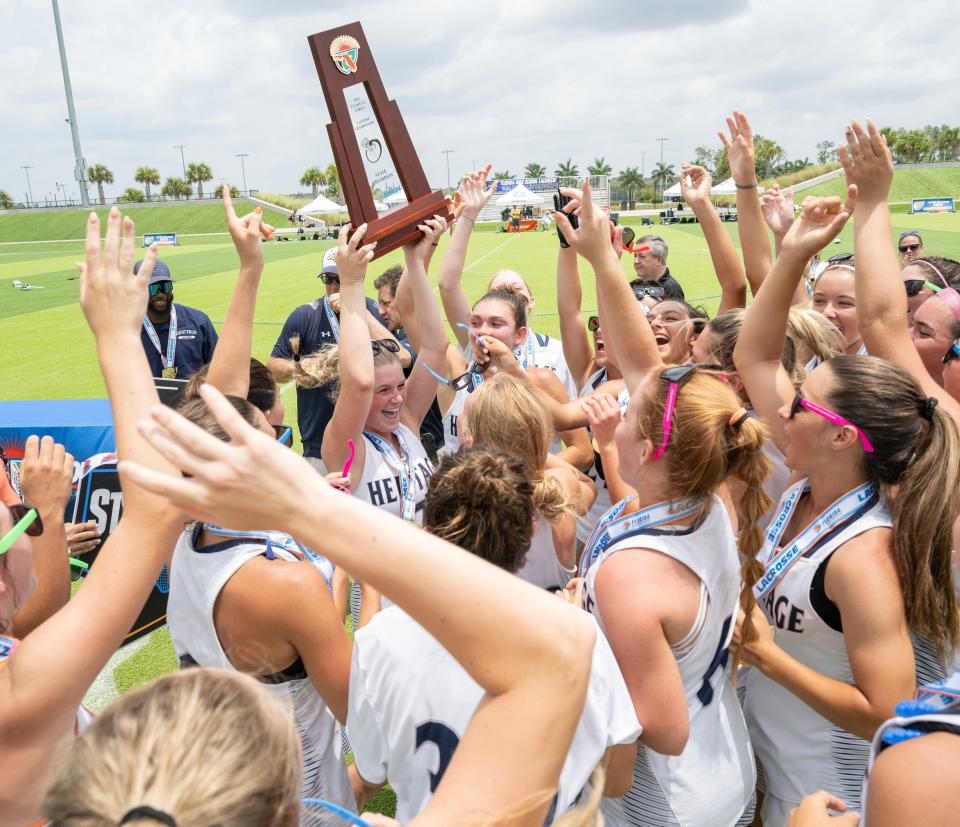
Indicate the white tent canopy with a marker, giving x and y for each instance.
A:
(727, 187)
(520, 196)
(397, 198)
(322, 204)
(672, 192)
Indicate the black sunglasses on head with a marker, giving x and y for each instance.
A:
(839, 258)
(384, 344)
(653, 291)
(329, 278)
(20, 510)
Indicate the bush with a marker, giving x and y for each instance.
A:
(804, 174)
(289, 202)
(131, 195)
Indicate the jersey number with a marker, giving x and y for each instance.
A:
(705, 692)
(445, 740)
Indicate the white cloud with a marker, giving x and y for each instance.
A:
(502, 81)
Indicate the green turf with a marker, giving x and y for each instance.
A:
(907, 184)
(181, 218)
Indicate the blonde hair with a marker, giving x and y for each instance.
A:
(192, 744)
(814, 335)
(323, 367)
(713, 440)
(504, 414)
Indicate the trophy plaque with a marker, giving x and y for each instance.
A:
(370, 143)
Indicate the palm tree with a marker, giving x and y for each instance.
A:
(6, 202)
(333, 181)
(662, 173)
(567, 169)
(197, 174)
(631, 180)
(100, 175)
(533, 170)
(599, 167)
(313, 177)
(147, 176)
(176, 187)
(502, 175)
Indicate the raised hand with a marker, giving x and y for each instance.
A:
(603, 414)
(113, 299)
(778, 209)
(592, 239)
(488, 350)
(45, 475)
(813, 812)
(867, 163)
(739, 147)
(352, 257)
(474, 192)
(245, 232)
(820, 221)
(432, 229)
(695, 183)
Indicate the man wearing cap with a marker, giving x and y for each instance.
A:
(317, 324)
(177, 339)
(650, 264)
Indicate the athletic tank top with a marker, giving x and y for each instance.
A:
(712, 781)
(602, 503)
(196, 579)
(800, 750)
(411, 702)
(541, 566)
(548, 353)
(381, 483)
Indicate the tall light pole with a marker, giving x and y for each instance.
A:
(80, 170)
(243, 168)
(27, 169)
(448, 153)
(183, 163)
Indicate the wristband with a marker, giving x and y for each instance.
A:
(471, 220)
(752, 186)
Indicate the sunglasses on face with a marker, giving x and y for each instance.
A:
(26, 520)
(908, 248)
(914, 286)
(384, 344)
(799, 403)
(329, 278)
(953, 352)
(161, 287)
(676, 376)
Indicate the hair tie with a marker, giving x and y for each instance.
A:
(148, 812)
(928, 406)
(739, 416)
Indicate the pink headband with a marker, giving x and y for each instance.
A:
(951, 298)
(933, 267)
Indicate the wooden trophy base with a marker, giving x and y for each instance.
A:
(399, 226)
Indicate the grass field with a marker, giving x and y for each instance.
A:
(907, 184)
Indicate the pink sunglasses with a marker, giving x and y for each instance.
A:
(831, 417)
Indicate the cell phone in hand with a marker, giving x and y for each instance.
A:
(559, 202)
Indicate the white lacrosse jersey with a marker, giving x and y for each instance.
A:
(411, 702)
(451, 420)
(380, 483)
(541, 566)
(800, 750)
(548, 353)
(711, 782)
(602, 502)
(196, 579)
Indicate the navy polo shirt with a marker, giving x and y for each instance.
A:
(196, 339)
(314, 406)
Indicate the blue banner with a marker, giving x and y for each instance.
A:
(932, 205)
(159, 238)
(532, 184)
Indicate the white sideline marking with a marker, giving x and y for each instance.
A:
(485, 255)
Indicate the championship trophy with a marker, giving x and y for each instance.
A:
(371, 146)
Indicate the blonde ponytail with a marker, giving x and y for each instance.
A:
(320, 368)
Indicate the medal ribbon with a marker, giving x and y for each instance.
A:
(611, 526)
(332, 319)
(280, 540)
(400, 464)
(829, 520)
(524, 353)
(171, 337)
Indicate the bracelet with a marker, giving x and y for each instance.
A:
(296, 357)
(471, 220)
(752, 186)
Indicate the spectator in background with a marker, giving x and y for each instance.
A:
(431, 430)
(177, 339)
(315, 326)
(651, 265)
(515, 219)
(910, 246)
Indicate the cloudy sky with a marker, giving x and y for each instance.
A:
(495, 80)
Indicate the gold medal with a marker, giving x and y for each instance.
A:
(169, 373)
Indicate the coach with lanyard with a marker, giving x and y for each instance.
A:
(318, 326)
(177, 339)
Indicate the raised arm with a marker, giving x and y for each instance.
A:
(604, 415)
(881, 300)
(230, 366)
(777, 208)
(48, 675)
(754, 241)
(535, 678)
(757, 354)
(573, 333)
(422, 385)
(356, 356)
(474, 196)
(626, 330)
(695, 189)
